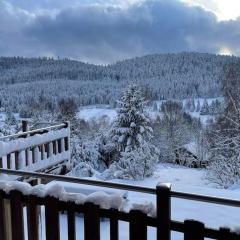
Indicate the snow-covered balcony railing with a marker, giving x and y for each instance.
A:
(21, 204)
(36, 150)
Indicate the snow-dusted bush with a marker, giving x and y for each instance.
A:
(225, 172)
(137, 163)
(87, 153)
(83, 169)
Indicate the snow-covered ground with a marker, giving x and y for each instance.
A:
(182, 179)
(96, 112)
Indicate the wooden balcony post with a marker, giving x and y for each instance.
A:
(163, 211)
(32, 218)
(91, 222)
(114, 225)
(17, 222)
(52, 219)
(71, 222)
(138, 226)
(193, 230)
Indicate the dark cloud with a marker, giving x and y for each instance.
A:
(107, 33)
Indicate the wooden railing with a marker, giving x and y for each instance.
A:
(138, 221)
(35, 150)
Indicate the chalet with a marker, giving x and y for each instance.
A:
(187, 155)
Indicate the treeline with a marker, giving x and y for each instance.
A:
(25, 81)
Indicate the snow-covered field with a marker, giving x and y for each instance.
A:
(182, 179)
(96, 112)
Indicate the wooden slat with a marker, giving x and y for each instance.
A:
(1, 162)
(50, 148)
(114, 225)
(42, 151)
(2, 216)
(32, 218)
(71, 223)
(17, 164)
(52, 219)
(47, 149)
(56, 144)
(91, 222)
(9, 161)
(54, 147)
(59, 145)
(66, 143)
(193, 230)
(138, 226)
(163, 212)
(16, 216)
(27, 156)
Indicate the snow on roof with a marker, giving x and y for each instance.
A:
(191, 147)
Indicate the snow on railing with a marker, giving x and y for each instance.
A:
(37, 149)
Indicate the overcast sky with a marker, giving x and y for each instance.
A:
(104, 31)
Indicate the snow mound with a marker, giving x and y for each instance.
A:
(100, 198)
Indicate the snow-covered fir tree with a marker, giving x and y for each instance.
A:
(205, 108)
(131, 126)
(131, 135)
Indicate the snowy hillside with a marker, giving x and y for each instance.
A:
(28, 83)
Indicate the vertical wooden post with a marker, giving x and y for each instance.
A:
(59, 146)
(114, 225)
(52, 219)
(138, 226)
(193, 230)
(7, 219)
(17, 164)
(27, 156)
(42, 152)
(9, 161)
(25, 129)
(16, 215)
(71, 223)
(54, 147)
(2, 217)
(32, 219)
(1, 162)
(91, 222)
(163, 211)
(66, 139)
(224, 234)
(24, 126)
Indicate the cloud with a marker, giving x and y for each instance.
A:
(103, 33)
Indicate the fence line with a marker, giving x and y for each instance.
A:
(174, 194)
(13, 223)
(36, 154)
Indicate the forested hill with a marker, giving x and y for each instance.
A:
(161, 76)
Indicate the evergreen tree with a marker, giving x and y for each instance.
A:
(155, 107)
(10, 119)
(205, 108)
(131, 134)
(131, 126)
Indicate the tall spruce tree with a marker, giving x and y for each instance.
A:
(131, 126)
(131, 134)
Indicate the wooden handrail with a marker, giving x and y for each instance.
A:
(62, 125)
(128, 187)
